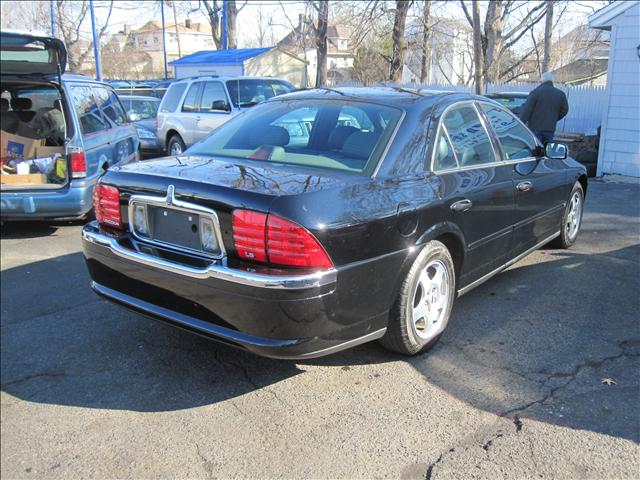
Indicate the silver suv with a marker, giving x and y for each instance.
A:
(192, 108)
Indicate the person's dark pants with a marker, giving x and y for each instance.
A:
(544, 136)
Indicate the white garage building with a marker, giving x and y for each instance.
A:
(620, 136)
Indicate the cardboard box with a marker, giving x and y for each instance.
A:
(28, 179)
(48, 151)
(16, 147)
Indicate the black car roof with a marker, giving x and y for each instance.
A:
(391, 96)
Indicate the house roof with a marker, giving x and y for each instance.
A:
(581, 70)
(233, 56)
(605, 16)
(196, 28)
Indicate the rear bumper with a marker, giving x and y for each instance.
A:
(74, 200)
(269, 312)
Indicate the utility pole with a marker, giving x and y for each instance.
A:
(164, 41)
(53, 18)
(175, 20)
(96, 46)
(224, 25)
(548, 27)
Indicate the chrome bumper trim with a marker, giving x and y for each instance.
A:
(221, 272)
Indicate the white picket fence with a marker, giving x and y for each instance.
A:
(587, 105)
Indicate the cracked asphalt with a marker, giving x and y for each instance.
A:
(514, 389)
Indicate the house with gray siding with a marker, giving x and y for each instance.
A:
(620, 135)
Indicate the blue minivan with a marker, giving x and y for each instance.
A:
(81, 119)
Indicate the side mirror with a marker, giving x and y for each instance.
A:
(556, 151)
(220, 105)
(133, 117)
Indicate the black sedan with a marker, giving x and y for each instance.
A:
(369, 229)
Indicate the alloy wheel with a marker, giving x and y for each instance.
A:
(431, 300)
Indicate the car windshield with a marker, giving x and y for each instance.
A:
(342, 135)
(246, 93)
(142, 108)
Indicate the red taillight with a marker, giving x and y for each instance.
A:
(106, 203)
(249, 235)
(274, 240)
(78, 165)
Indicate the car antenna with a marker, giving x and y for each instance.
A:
(406, 90)
(331, 90)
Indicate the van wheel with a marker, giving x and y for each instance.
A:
(421, 311)
(176, 145)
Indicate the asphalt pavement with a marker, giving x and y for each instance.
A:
(537, 376)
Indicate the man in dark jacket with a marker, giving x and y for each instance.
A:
(545, 106)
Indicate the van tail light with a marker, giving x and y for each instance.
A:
(106, 203)
(273, 240)
(78, 164)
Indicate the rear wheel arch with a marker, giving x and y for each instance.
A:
(583, 181)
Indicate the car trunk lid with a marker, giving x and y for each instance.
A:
(177, 189)
(26, 54)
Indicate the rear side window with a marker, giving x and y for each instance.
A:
(468, 137)
(191, 100)
(445, 159)
(515, 139)
(172, 98)
(248, 92)
(110, 105)
(214, 98)
(89, 114)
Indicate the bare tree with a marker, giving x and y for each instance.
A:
(69, 19)
(399, 42)
(264, 28)
(213, 11)
(425, 58)
(321, 41)
(505, 23)
(477, 49)
(548, 27)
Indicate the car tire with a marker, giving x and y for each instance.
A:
(423, 306)
(176, 145)
(571, 219)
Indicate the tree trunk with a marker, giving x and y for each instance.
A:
(399, 43)
(548, 26)
(321, 43)
(175, 21)
(426, 48)
(232, 15)
(477, 49)
(493, 41)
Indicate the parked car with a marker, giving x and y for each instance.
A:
(193, 107)
(160, 87)
(78, 126)
(300, 251)
(514, 101)
(142, 111)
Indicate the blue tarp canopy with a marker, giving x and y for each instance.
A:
(234, 56)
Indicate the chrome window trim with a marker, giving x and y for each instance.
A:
(170, 202)
(474, 167)
(506, 110)
(392, 138)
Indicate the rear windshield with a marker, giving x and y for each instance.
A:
(246, 93)
(144, 109)
(319, 133)
(33, 52)
(172, 98)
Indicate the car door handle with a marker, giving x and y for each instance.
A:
(524, 186)
(461, 205)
